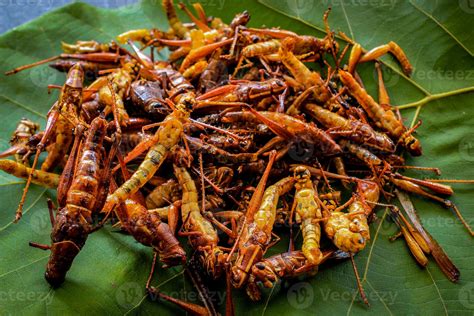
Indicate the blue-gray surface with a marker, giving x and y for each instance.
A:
(17, 12)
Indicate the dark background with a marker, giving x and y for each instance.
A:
(17, 12)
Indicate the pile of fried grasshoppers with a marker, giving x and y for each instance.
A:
(232, 134)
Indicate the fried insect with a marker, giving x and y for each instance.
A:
(359, 56)
(214, 73)
(19, 170)
(308, 215)
(257, 233)
(303, 44)
(114, 89)
(418, 187)
(178, 28)
(227, 98)
(202, 235)
(166, 137)
(20, 141)
(383, 118)
(350, 231)
(246, 92)
(163, 194)
(148, 229)
(149, 96)
(82, 200)
(221, 155)
(288, 127)
(58, 126)
(286, 265)
(355, 130)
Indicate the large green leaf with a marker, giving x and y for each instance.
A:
(109, 274)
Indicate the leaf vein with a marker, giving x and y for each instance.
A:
(437, 290)
(22, 106)
(347, 20)
(24, 266)
(380, 298)
(431, 17)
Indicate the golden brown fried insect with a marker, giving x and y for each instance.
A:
(227, 99)
(355, 130)
(237, 94)
(148, 229)
(82, 200)
(202, 235)
(20, 141)
(43, 178)
(350, 231)
(163, 194)
(308, 215)
(167, 136)
(286, 265)
(58, 126)
(149, 96)
(288, 127)
(383, 118)
(257, 232)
